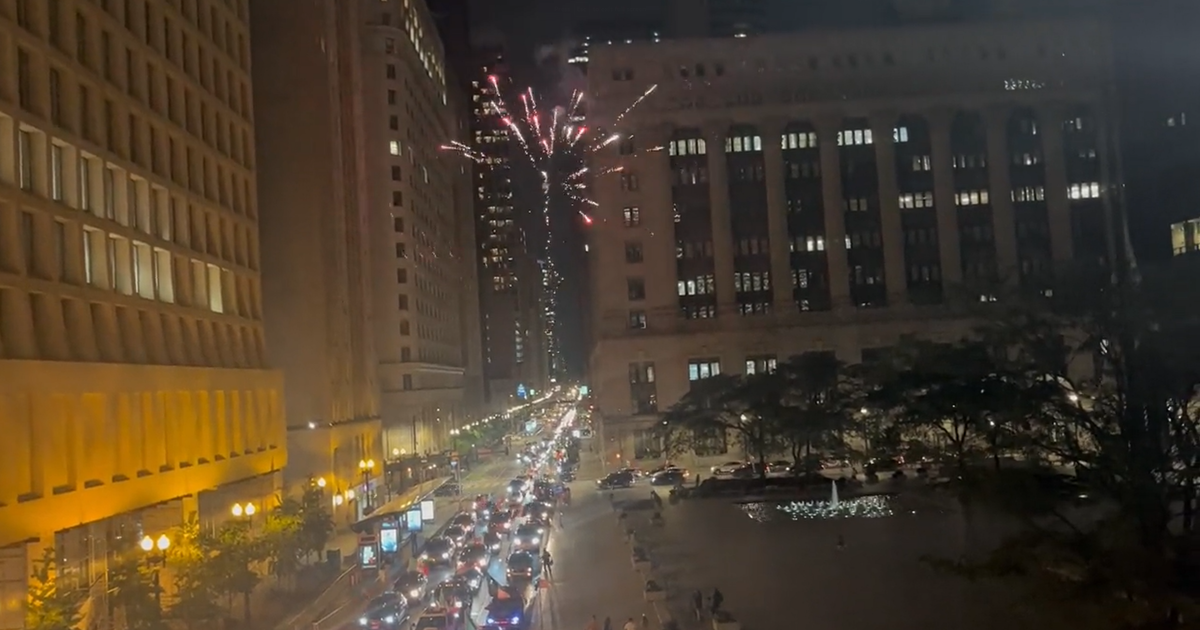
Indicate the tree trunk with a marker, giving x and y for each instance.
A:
(246, 606)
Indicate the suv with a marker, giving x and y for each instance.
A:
(616, 480)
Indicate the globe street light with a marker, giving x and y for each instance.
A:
(154, 560)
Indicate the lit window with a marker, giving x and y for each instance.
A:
(394, 147)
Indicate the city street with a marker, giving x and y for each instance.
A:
(593, 574)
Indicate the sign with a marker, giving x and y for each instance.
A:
(389, 537)
(413, 519)
(427, 510)
(521, 393)
(583, 390)
(368, 553)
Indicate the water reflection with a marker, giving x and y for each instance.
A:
(874, 506)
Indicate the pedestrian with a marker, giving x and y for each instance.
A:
(630, 625)
(608, 623)
(698, 604)
(645, 621)
(592, 625)
(717, 600)
(548, 562)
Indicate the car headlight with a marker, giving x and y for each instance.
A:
(515, 619)
(390, 619)
(362, 621)
(414, 593)
(446, 556)
(490, 620)
(536, 541)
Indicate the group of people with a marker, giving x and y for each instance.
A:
(714, 603)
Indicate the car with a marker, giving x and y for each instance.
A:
(475, 555)
(456, 534)
(615, 480)
(506, 613)
(451, 598)
(465, 520)
(636, 472)
(389, 610)
(749, 471)
(500, 522)
(471, 579)
(521, 565)
(435, 618)
(726, 469)
(438, 551)
(672, 477)
(538, 510)
(412, 586)
(529, 537)
(492, 541)
(516, 487)
(449, 489)
(779, 468)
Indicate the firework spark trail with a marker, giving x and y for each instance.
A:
(637, 102)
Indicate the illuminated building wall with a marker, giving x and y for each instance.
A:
(813, 197)
(510, 289)
(315, 232)
(133, 368)
(422, 272)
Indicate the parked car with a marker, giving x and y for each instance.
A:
(726, 469)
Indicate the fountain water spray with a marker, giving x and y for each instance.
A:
(833, 497)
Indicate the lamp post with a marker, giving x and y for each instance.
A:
(366, 466)
(155, 560)
(246, 511)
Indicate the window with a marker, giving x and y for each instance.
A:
(636, 289)
(970, 161)
(633, 252)
(56, 97)
(700, 369)
(406, 382)
(699, 285)
(641, 373)
(401, 276)
(1029, 193)
(764, 364)
(405, 328)
(857, 204)
(900, 134)
(397, 198)
(24, 78)
(27, 242)
(690, 146)
(396, 175)
(401, 251)
(398, 224)
(854, 137)
(800, 140)
(110, 193)
(633, 216)
(921, 163)
(743, 144)
(56, 172)
(391, 71)
(25, 159)
(971, 198)
(394, 147)
(1088, 190)
(629, 181)
(403, 302)
(394, 122)
(752, 281)
(916, 200)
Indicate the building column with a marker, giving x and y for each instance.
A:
(883, 125)
(781, 268)
(835, 219)
(943, 197)
(722, 229)
(1058, 207)
(1004, 227)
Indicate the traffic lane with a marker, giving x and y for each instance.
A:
(491, 480)
(593, 571)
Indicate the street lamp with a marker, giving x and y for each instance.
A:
(366, 466)
(149, 545)
(320, 482)
(239, 510)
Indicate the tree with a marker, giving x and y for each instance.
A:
(234, 552)
(195, 578)
(1127, 430)
(316, 522)
(724, 405)
(135, 590)
(282, 538)
(52, 604)
(808, 402)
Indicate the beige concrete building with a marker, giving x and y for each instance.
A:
(423, 277)
(826, 191)
(315, 231)
(133, 380)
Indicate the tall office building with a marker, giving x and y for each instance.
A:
(815, 196)
(316, 226)
(134, 390)
(510, 287)
(424, 284)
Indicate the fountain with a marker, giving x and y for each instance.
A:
(833, 497)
